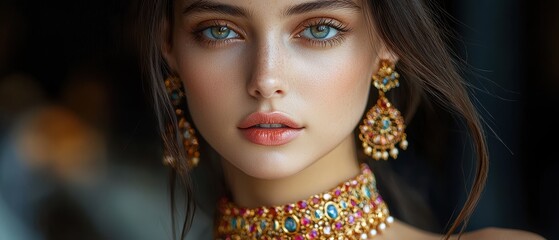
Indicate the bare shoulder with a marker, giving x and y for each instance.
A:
(494, 233)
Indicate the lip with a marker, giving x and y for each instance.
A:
(269, 136)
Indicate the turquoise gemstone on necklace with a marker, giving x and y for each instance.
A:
(262, 225)
(367, 192)
(318, 214)
(343, 204)
(332, 211)
(290, 224)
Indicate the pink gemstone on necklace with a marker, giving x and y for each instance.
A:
(339, 225)
(305, 221)
(315, 200)
(338, 192)
(351, 219)
(302, 204)
(299, 237)
(313, 234)
(359, 214)
(288, 208)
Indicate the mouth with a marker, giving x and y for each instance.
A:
(270, 125)
(269, 129)
(268, 120)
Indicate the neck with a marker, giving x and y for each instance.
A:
(335, 167)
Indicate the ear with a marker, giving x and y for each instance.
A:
(167, 45)
(385, 53)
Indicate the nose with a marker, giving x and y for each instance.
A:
(266, 79)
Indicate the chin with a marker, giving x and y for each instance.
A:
(271, 166)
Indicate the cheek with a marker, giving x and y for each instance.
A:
(338, 85)
(213, 90)
(210, 79)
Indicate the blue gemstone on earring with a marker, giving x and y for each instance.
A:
(332, 211)
(175, 95)
(385, 81)
(290, 224)
(385, 124)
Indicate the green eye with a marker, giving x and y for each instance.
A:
(219, 33)
(320, 32)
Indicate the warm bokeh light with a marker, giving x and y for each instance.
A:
(80, 156)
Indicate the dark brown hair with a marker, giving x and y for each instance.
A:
(409, 28)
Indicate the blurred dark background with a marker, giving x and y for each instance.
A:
(80, 155)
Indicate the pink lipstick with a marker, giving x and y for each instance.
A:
(269, 129)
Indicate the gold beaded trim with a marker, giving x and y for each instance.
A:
(352, 210)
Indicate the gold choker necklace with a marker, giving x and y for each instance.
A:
(352, 210)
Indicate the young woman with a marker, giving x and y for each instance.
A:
(279, 91)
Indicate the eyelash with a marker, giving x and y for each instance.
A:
(199, 32)
(330, 42)
(342, 29)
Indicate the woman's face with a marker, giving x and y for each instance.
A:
(274, 86)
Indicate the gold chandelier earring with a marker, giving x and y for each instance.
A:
(383, 125)
(187, 134)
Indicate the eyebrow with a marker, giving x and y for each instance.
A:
(321, 5)
(201, 6)
(208, 6)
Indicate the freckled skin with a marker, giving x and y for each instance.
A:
(269, 65)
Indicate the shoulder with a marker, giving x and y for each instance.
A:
(494, 233)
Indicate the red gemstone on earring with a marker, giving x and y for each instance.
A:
(252, 228)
